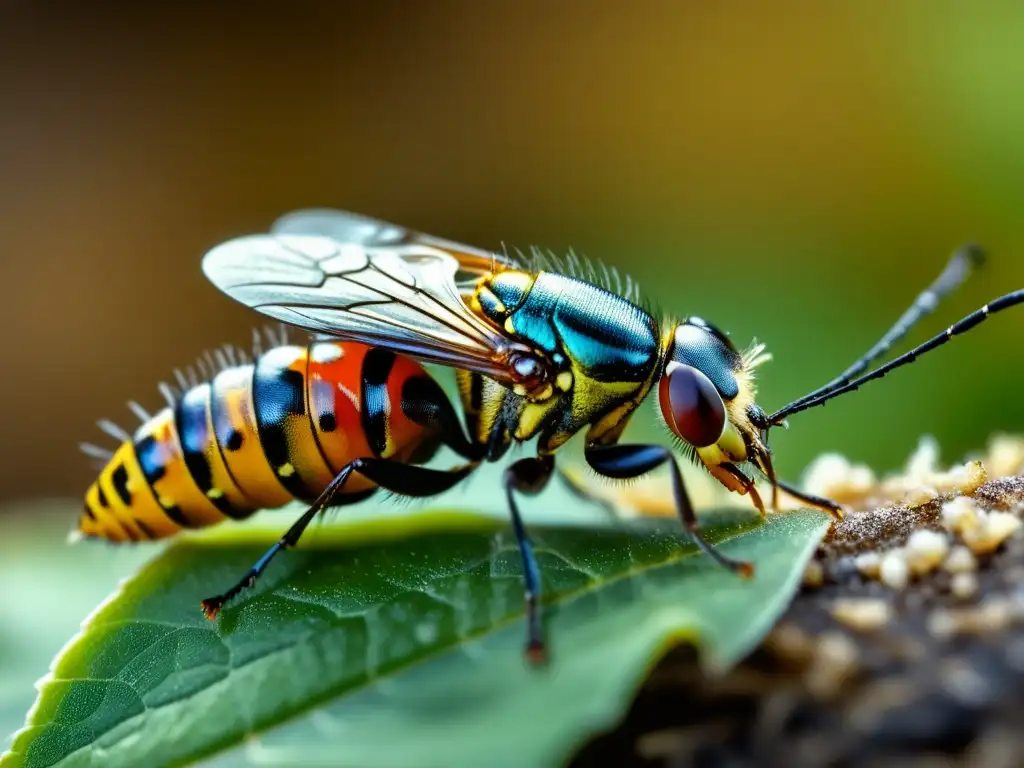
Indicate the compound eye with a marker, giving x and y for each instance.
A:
(692, 406)
(713, 330)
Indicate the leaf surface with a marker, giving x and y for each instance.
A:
(398, 642)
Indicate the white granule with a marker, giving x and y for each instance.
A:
(960, 514)
(995, 528)
(923, 462)
(925, 550)
(960, 560)
(894, 571)
(963, 585)
(863, 614)
(1005, 455)
(869, 563)
(919, 496)
(833, 476)
(814, 574)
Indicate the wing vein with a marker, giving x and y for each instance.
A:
(420, 292)
(354, 277)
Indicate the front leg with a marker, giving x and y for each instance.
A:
(626, 461)
(820, 502)
(529, 476)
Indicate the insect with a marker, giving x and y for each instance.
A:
(537, 354)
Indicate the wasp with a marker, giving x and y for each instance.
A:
(538, 354)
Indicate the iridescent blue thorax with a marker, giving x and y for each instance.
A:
(602, 352)
(604, 336)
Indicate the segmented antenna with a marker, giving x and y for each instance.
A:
(960, 266)
(962, 326)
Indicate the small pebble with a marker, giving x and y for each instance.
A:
(963, 585)
(917, 497)
(814, 574)
(976, 476)
(964, 683)
(833, 476)
(868, 563)
(835, 661)
(924, 460)
(1005, 455)
(941, 624)
(996, 613)
(1004, 524)
(925, 550)
(995, 528)
(864, 614)
(964, 479)
(894, 571)
(960, 514)
(790, 642)
(960, 560)
(991, 616)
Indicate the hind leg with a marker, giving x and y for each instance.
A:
(403, 479)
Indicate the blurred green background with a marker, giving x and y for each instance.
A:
(794, 172)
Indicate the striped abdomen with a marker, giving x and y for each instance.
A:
(257, 436)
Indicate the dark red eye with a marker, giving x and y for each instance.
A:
(692, 406)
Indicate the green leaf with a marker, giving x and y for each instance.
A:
(399, 643)
(47, 589)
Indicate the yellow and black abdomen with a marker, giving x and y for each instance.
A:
(257, 436)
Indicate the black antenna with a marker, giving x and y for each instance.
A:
(959, 268)
(962, 326)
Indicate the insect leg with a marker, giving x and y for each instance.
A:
(403, 479)
(425, 403)
(626, 461)
(820, 502)
(212, 605)
(529, 476)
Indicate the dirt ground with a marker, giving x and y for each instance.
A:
(859, 672)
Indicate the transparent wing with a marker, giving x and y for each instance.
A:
(372, 287)
(348, 227)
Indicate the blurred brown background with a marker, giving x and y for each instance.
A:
(795, 172)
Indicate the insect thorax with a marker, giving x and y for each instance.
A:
(604, 348)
